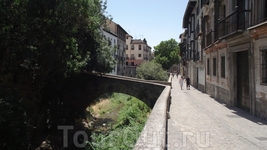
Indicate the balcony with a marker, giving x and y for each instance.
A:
(209, 38)
(236, 22)
(197, 32)
(203, 27)
(196, 58)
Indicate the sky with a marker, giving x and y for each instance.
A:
(155, 20)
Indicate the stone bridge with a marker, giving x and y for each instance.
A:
(95, 85)
(155, 94)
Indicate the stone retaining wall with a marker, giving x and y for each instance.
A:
(153, 136)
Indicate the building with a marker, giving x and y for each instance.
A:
(137, 52)
(229, 37)
(121, 43)
(191, 48)
(112, 42)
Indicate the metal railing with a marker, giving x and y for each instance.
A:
(235, 22)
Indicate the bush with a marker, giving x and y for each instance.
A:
(151, 71)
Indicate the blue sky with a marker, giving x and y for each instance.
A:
(155, 20)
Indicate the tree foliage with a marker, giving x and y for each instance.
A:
(42, 43)
(151, 71)
(166, 53)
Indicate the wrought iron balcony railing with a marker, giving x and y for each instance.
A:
(235, 22)
(209, 38)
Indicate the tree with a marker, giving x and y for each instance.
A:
(43, 43)
(166, 53)
(151, 71)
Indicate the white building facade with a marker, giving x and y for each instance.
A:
(112, 41)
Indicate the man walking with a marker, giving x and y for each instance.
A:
(187, 82)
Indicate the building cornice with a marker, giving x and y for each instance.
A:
(258, 30)
(215, 47)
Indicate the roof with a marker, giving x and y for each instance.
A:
(110, 32)
(128, 35)
(137, 41)
(121, 28)
(189, 8)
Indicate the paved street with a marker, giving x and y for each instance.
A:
(197, 121)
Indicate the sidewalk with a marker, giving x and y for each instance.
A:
(197, 121)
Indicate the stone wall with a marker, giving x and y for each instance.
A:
(261, 88)
(223, 95)
(219, 93)
(153, 136)
(210, 89)
(201, 87)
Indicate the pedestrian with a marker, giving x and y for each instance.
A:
(187, 82)
(181, 81)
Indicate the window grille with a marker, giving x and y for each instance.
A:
(222, 66)
(214, 67)
(264, 66)
(208, 66)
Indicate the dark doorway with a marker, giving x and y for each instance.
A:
(243, 97)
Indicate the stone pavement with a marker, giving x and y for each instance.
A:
(198, 122)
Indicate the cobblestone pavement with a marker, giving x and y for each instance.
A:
(198, 121)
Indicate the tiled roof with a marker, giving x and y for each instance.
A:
(137, 41)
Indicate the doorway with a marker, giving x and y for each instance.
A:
(243, 94)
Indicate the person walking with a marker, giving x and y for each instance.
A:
(181, 81)
(187, 82)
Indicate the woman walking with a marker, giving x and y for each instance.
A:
(181, 81)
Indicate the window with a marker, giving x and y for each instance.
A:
(126, 47)
(132, 63)
(264, 66)
(208, 66)
(214, 66)
(222, 66)
(132, 47)
(139, 47)
(192, 23)
(132, 56)
(126, 63)
(139, 55)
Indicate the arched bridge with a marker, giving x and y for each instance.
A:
(155, 94)
(95, 85)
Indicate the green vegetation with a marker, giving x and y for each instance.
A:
(44, 43)
(127, 126)
(151, 71)
(167, 53)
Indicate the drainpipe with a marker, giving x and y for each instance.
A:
(252, 80)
